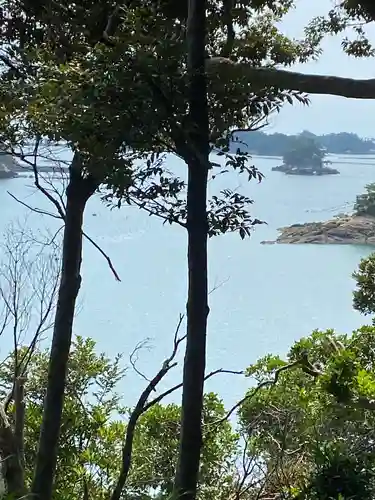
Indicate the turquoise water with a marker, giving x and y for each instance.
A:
(265, 297)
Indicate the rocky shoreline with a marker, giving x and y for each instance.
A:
(342, 230)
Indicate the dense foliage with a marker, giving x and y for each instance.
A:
(94, 426)
(315, 427)
(104, 98)
(116, 85)
(364, 293)
(349, 19)
(296, 430)
(310, 420)
(365, 203)
(304, 153)
(67, 94)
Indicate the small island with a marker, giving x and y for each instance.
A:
(355, 229)
(305, 157)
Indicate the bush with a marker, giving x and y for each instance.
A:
(365, 203)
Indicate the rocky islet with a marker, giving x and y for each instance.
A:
(341, 230)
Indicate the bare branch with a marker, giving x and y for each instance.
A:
(28, 284)
(133, 358)
(58, 203)
(218, 285)
(178, 386)
(102, 252)
(139, 409)
(266, 383)
(34, 209)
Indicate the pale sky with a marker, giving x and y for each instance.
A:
(327, 114)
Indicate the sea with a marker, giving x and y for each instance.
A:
(263, 297)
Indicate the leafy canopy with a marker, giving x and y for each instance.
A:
(350, 19)
(94, 425)
(314, 428)
(111, 83)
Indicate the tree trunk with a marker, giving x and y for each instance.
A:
(197, 227)
(223, 69)
(11, 470)
(78, 192)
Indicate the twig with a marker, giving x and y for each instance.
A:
(102, 252)
(150, 211)
(216, 287)
(133, 358)
(176, 342)
(34, 209)
(178, 386)
(266, 383)
(34, 167)
(61, 215)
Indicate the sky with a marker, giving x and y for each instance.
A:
(326, 113)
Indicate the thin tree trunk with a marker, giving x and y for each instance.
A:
(11, 469)
(12, 443)
(78, 192)
(197, 306)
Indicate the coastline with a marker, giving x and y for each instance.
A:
(342, 230)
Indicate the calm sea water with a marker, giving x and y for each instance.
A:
(265, 297)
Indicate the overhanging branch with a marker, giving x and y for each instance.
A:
(223, 68)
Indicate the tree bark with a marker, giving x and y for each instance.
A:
(12, 469)
(78, 192)
(224, 69)
(197, 306)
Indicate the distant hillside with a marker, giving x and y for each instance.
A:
(260, 143)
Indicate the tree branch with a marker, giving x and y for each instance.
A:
(33, 209)
(139, 409)
(178, 386)
(59, 205)
(262, 385)
(106, 256)
(222, 68)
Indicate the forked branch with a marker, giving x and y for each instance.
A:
(139, 409)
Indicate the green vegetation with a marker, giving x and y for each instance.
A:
(120, 86)
(94, 424)
(311, 417)
(305, 153)
(305, 157)
(292, 438)
(365, 203)
(315, 427)
(263, 144)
